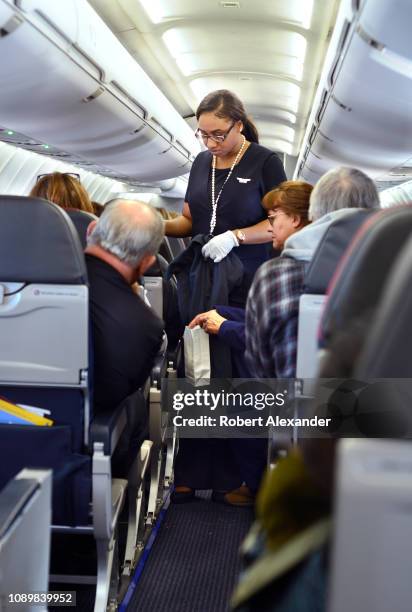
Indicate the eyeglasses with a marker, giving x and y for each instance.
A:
(72, 174)
(215, 137)
(272, 218)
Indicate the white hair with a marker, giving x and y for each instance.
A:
(129, 230)
(342, 188)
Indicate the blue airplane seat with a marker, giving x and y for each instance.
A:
(44, 349)
(319, 274)
(370, 258)
(44, 363)
(81, 221)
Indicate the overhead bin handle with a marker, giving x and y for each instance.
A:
(143, 112)
(161, 130)
(312, 134)
(73, 47)
(183, 149)
(89, 60)
(342, 42)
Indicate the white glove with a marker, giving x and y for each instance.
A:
(219, 246)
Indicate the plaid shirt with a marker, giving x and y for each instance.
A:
(272, 318)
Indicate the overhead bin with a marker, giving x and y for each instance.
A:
(364, 104)
(69, 83)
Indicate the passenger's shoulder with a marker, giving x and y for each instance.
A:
(277, 263)
(147, 315)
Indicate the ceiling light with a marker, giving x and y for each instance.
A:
(179, 50)
(307, 10)
(298, 71)
(185, 63)
(298, 47)
(174, 42)
(227, 4)
(153, 9)
(200, 89)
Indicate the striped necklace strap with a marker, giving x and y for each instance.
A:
(215, 200)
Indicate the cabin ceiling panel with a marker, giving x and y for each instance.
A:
(267, 115)
(237, 49)
(245, 62)
(221, 39)
(294, 11)
(276, 130)
(279, 92)
(269, 52)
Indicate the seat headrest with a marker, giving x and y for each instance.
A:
(38, 243)
(159, 268)
(165, 250)
(386, 353)
(359, 282)
(177, 245)
(81, 221)
(330, 250)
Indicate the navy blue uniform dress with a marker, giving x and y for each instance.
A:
(239, 205)
(212, 463)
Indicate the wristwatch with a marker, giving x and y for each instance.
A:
(240, 236)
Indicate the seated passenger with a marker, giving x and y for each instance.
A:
(273, 301)
(97, 208)
(287, 548)
(64, 189)
(127, 335)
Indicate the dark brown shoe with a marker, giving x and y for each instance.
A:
(242, 497)
(182, 495)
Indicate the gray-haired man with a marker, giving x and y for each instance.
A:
(273, 300)
(126, 334)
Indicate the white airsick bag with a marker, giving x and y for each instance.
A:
(197, 356)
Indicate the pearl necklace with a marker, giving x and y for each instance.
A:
(216, 200)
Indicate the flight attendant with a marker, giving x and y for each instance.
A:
(226, 186)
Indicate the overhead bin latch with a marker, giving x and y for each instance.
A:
(375, 44)
(341, 104)
(98, 92)
(12, 24)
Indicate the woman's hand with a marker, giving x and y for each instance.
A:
(210, 321)
(219, 246)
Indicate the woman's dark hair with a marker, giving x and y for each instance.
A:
(64, 190)
(292, 197)
(223, 103)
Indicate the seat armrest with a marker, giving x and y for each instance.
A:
(107, 428)
(175, 355)
(160, 365)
